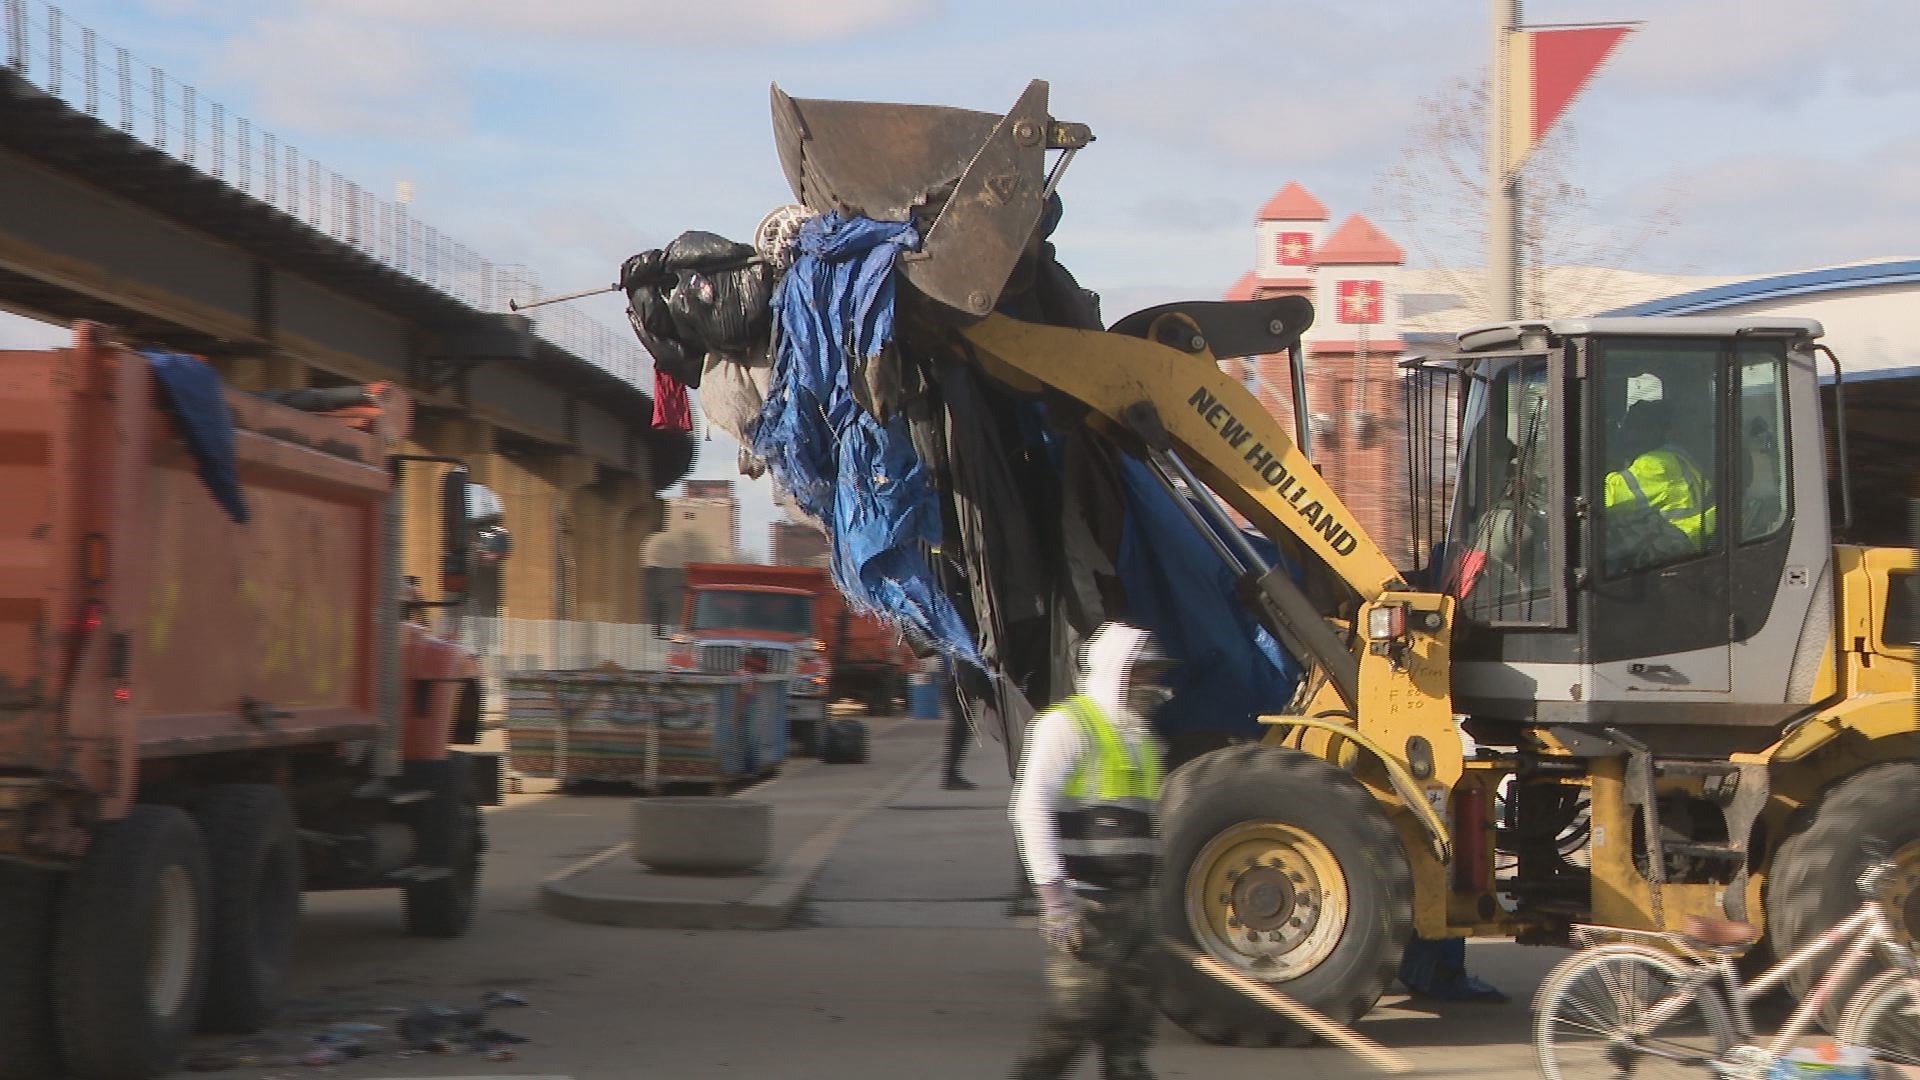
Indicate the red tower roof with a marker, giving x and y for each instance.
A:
(1293, 203)
(1357, 241)
(1241, 289)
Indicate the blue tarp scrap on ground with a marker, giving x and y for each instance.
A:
(855, 474)
(193, 394)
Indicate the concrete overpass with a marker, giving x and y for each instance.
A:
(128, 199)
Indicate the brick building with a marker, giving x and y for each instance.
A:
(1356, 415)
(702, 525)
(795, 544)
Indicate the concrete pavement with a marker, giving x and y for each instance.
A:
(900, 962)
(814, 805)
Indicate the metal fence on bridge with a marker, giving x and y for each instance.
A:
(107, 82)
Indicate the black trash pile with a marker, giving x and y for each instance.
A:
(1041, 529)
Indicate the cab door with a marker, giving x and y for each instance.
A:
(1656, 613)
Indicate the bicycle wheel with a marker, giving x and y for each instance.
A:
(1884, 1017)
(1625, 1010)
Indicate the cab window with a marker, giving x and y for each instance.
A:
(1761, 453)
(1657, 472)
(1499, 562)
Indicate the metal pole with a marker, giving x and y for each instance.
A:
(1503, 185)
(522, 305)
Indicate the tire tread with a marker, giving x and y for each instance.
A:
(236, 819)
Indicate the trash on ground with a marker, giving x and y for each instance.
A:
(351, 1028)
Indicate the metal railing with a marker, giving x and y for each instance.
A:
(107, 82)
(512, 646)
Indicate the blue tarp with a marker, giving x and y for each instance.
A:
(1231, 669)
(834, 310)
(195, 397)
(857, 475)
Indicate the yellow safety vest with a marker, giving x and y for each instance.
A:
(1105, 816)
(1665, 482)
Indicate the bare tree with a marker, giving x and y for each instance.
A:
(1434, 200)
(676, 548)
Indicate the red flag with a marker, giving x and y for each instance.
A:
(1359, 301)
(671, 411)
(1293, 248)
(1545, 71)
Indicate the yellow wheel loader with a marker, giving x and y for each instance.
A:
(1702, 709)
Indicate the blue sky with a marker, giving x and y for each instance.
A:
(568, 135)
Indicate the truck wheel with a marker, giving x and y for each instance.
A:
(1812, 883)
(253, 850)
(130, 952)
(450, 834)
(1283, 868)
(28, 899)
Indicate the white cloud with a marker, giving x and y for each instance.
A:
(1771, 50)
(319, 75)
(1761, 211)
(1292, 87)
(655, 23)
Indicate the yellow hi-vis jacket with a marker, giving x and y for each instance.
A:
(1665, 482)
(1106, 811)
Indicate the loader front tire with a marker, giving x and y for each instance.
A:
(1283, 868)
(1812, 884)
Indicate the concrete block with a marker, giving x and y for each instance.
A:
(701, 834)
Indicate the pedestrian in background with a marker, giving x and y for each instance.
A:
(959, 731)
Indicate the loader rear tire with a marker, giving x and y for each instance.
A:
(1272, 843)
(1812, 886)
(130, 953)
(450, 835)
(253, 848)
(28, 899)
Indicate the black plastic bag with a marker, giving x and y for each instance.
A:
(700, 294)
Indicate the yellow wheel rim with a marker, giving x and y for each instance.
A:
(1903, 893)
(1267, 898)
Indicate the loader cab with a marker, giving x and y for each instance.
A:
(1636, 527)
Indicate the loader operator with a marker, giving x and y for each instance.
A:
(1658, 504)
(1085, 810)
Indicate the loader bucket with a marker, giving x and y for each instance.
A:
(979, 178)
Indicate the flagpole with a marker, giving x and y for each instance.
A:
(1503, 183)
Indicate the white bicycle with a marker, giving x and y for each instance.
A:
(1655, 1003)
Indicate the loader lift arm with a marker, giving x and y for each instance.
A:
(1195, 424)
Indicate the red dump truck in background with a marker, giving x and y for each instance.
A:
(200, 718)
(792, 619)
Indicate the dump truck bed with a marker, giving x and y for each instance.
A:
(137, 619)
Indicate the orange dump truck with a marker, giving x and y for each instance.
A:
(202, 716)
(797, 621)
